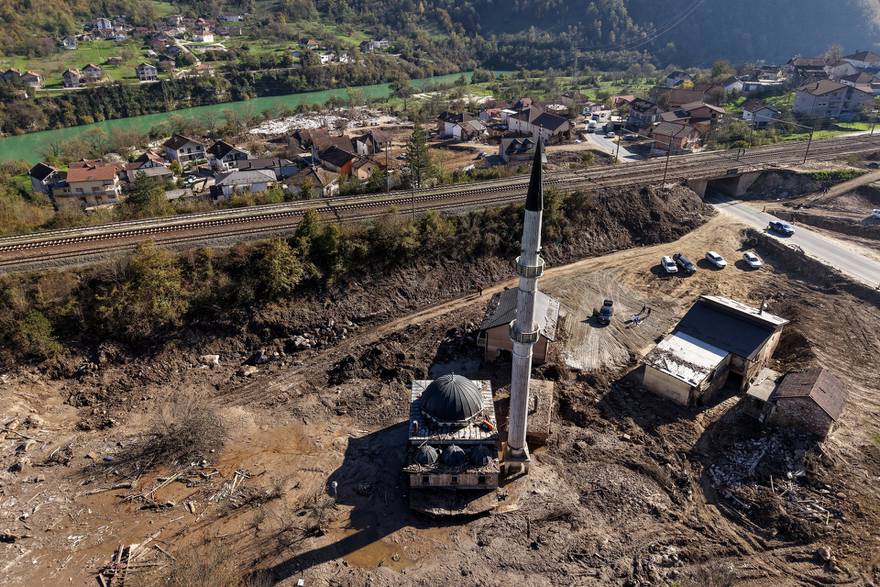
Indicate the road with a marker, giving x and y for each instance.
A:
(609, 146)
(850, 259)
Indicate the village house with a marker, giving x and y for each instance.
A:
(718, 343)
(149, 164)
(675, 137)
(88, 184)
(103, 25)
(517, 148)
(337, 160)
(374, 45)
(732, 85)
(281, 167)
(702, 92)
(810, 401)
(831, 99)
(840, 69)
(802, 70)
(642, 114)
(232, 17)
(863, 60)
(494, 334)
(546, 126)
(92, 73)
(364, 168)
(454, 125)
(203, 35)
(675, 79)
(183, 149)
(254, 182)
(323, 183)
(222, 155)
(32, 79)
(44, 177)
(759, 113)
(863, 81)
(146, 72)
(69, 43)
(72, 78)
(10, 75)
(371, 142)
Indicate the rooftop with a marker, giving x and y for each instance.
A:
(686, 358)
(818, 384)
(502, 311)
(423, 430)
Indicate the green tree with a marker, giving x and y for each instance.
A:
(33, 336)
(278, 269)
(148, 298)
(420, 169)
(145, 199)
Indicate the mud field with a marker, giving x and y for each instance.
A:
(186, 468)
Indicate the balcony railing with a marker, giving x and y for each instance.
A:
(530, 271)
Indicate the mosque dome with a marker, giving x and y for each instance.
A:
(452, 400)
(454, 456)
(481, 456)
(426, 455)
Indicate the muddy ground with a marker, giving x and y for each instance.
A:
(629, 490)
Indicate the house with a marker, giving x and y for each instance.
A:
(732, 85)
(751, 87)
(232, 17)
(719, 342)
(72, 78)
(448, 123)
(759, 113)
(253, 182)
(831, 99)
(533, 120)
(675, 137)
(620, 101)
(282, 168)
(840, 69)
(373, 45)
(863, 60)
(802, 70)
(517, 149)
(222, 155)
(494, 333)
(69, 43)
(151, 164)
(699, 93)
(810, 401)
(702, 112)
(203, 36)
(43, 178)
(337, 160)
(364, 168)
(103, 24)
(146, 72)
(863, 81)
(642, 114)
(88, 184)
(10, 75)
(183, 149)
(92, 73)
(371, 142)
(32, 79)
(675, 79)
(310, 44)
(323, 183)
(174, 20)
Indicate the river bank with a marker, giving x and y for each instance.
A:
(30, 147)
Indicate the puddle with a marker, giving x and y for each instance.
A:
(380, 553)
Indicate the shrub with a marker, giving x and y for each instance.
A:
(33, 336)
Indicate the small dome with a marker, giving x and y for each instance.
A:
(481, 456)
(452, 399)
(426, 455)
(454, 456)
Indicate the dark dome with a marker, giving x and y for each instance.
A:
(452, 399)
(481, 456)
(426, 455)
(454, 456)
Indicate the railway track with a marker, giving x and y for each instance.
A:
(67, 246)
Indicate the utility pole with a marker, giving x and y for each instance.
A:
(387, 169)
(809, 142)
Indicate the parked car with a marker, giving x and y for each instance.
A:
(606, 312)
(752, 260)
(610, 135)
(631, 137)
(876, 213)
(685, 264)
(780, 227)
(668, 265)
(716, 260)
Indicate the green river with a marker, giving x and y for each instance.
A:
(30, 147)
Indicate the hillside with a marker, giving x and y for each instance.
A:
(536, 34)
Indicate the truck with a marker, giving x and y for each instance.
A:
(604, 315)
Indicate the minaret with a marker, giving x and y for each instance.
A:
(524, 329)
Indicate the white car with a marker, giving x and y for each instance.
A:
(668, 265)
(752, 260)
(610, 135)
(716, 259)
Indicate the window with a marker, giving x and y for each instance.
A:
(453, 480)
(481, 479)
(426, 480)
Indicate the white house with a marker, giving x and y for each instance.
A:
(146, 72)
(863, 60)
(758, 113)
(831, 99)
(203, 36)
(534, 121)
(242, 181)
(223, 155)
(183, 149)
